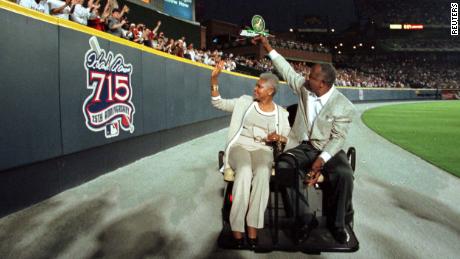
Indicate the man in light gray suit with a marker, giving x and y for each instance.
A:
(318, 134)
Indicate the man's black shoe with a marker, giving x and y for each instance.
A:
(303, 234)
(341, 235)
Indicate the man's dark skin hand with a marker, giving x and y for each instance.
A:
(262, 40)
(315, 172)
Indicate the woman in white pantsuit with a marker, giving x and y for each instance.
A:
(256, 122)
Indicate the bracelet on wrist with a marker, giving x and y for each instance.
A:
(214, 88)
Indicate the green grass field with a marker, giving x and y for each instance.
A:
(429, 130)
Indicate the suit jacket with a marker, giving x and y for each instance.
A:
(331, 125)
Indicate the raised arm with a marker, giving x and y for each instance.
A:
(114, 26)
(106, 12)
(124, 10)
(156, 28)
(61, 9)
(295, 81)
(217, 101)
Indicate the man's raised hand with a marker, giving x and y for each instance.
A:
(262, 40)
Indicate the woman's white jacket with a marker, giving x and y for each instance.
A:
(240, 107)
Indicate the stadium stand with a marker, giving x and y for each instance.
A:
(385, 12)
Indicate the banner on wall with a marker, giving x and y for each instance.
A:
(109, 105)
(450, 94)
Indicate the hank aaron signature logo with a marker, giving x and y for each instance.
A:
(109, 107)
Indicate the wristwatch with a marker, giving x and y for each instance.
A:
(215, 88)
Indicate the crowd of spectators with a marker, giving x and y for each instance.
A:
(401, 70)
(411, 11)
(345, 76)
(356, 78)
(280, 43)
(265, 65)
(261, 65)
(425, 71)
(394, 70)
(114, 20)
(424, 45)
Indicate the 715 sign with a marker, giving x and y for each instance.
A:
(113, 87)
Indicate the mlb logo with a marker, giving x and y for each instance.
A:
(112, 130)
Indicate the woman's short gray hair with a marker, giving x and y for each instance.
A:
(272, 79)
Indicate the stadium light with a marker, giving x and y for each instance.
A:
(321, 44)
(291, 30)
(354, 47)
(395, 26)
(335, 47)
(360, 44)
(341, 44)
(332, 30)
(372, 47)
(340, 52)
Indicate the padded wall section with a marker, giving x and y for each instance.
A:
(29, 85)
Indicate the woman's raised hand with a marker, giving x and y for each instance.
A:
(217, 69)
(214, 75)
